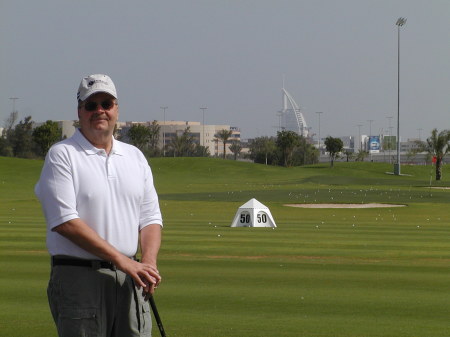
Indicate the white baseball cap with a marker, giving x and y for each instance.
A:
(95, 83)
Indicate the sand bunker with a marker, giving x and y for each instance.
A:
(371, 205)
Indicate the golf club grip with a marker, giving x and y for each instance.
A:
(157, 318)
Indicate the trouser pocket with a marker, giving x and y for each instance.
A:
(144, 315)
(74, 295)
(78, 322)
(146, 320)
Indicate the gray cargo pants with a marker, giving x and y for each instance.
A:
(97, 302)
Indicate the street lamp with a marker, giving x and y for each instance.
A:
(164, 131)
(390, 137)
(360, 140)
(370, 135)
(400, 22)
(318, 144)
(14, 113)
(203, 136)
(14, 103)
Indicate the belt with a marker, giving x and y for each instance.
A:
(95, 264)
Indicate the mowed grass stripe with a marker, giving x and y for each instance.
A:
(322, 272)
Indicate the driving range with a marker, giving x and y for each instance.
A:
(341, 272)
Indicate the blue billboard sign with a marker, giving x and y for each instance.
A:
(374, 144)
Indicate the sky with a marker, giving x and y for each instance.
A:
(338, 57)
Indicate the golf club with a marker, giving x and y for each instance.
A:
(157, 318)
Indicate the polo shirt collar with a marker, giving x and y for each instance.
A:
(91, 149)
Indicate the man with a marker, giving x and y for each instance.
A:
(100, 203)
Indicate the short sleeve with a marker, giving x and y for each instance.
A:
(55, 188)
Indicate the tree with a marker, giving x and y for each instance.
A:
(176, 145)
(21, 139)
(201, 151)
(5, 147)
(139, 135)
(11, 120)
(287, 142)
(6, 136)
(333, 146)
(262, 149)
(182, 145)
(154, 129)
(361, 155)
(438, 146)
(46, 135)
(224, 135)
(236, 148)
(349, 155)
(305, 153)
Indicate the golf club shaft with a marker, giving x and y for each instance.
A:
(157, 318)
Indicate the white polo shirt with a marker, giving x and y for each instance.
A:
(113, 194)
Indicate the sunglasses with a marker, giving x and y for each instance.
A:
(106, 105)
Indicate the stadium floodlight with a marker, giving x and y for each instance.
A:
(164, 130)
(203, 122)
(400, 22)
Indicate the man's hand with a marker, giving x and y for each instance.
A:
(144, 275)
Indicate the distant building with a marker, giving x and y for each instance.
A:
(410, 145)
(204, 135)
(348, 142)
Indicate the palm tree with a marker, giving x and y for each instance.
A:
(361, 155)
(224, 135)
(177, 144)
(236, 148)
(349, 155)
(139, 136)
(183, 145)
(154, 129)
(438, 146)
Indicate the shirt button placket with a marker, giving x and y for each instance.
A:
(109, 168)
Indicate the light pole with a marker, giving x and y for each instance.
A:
(400, 22)
(370, 127)
(318, 143)
(164, 130)
(370, 135)
(14, 102)
(390, 137)
(14, 114)
(360, 141)
(13, 117)
(420, 133)
(203, 123)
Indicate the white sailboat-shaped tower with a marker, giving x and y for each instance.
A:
(291, 118)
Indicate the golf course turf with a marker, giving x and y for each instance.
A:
(328, 272)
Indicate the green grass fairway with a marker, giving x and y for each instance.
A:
(322, 273)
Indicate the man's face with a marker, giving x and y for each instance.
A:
(98, 114)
